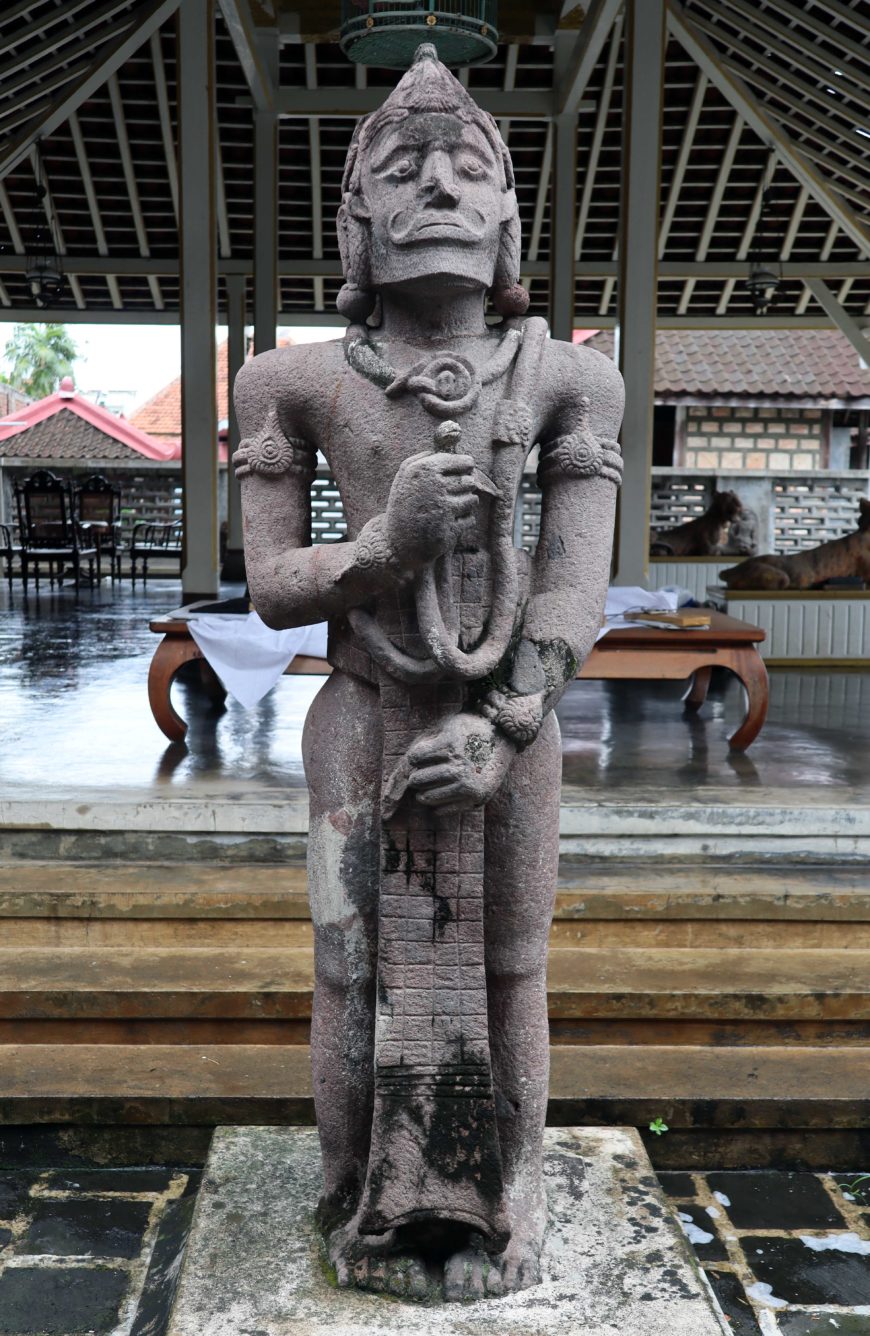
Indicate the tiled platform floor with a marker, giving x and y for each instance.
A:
(787, 1254)
(89, 1250)
(73, 700)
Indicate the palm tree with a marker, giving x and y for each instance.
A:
(38, 357)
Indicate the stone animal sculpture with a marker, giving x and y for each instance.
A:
(432, 754)
(704, 536)
(847, 556)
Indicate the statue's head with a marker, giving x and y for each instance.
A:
(428, 193)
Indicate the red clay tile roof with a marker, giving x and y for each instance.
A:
(161, 415)
(764, 363)
(66, 425)
(65, 435)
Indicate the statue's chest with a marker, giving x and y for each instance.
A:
(369, 435)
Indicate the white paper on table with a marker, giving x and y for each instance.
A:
(247, 655)
(630, 598)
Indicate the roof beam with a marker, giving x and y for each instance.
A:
(162, 93)
(841, 318)
(510, 79)
(167, 266)
(146, 20)
(522, 105)
(822, 28)
(316, 182)
(583, 58)
(682, 160)
(713, 206)
(762, 27)
(93, 205)
(540, 203)
(131, 183)
(71, 32)
(11, 222)
(240, 24)
(590, 165)
(762, 122)
(223, 217)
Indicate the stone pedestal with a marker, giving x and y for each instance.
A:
(615, 1262)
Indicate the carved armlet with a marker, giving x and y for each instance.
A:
(271, 454)
(580, 454)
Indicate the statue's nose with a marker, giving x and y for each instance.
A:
(437, 182)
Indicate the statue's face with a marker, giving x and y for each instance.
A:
(434, 194)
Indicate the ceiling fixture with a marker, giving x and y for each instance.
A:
(43, 270)
(387, 32)
(763, 279)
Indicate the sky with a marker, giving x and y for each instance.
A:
(128, 364)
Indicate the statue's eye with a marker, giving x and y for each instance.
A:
(471, 167)
(402, 168)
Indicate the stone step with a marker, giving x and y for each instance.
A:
(810, 823)
(268, 984)
(689, 1088)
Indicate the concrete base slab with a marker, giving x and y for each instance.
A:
(615, 1261)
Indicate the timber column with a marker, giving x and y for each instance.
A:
(198, 227)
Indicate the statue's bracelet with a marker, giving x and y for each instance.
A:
(519, 718)
(373, 551)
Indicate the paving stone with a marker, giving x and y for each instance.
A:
(111, 1180)
(824, 1324)
(861, 1194)
(767, 1199)
(701, 1232)
(735, 1305)
(5, 1236)
(802, 1275)
(615, 1262)
(14, 1194)
(677, 1185)
(161, 1281)
(60, 1301)
(87, 1228)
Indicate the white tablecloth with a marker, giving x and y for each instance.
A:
(249, 657)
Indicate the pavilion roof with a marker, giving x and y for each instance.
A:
(66, 425)
(112, 174)
(765, 363)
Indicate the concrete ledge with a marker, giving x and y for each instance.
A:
(615, 1261)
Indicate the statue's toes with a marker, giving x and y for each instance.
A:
(406, 1277)
(519, 1272)
(470, 1275)
(457, 1272)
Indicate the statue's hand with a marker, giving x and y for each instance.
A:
(432, 504)
(458, 765)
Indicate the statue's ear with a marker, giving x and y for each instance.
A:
(355, 300)
(358, 206)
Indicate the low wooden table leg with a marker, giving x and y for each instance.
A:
(213, 686)
(698, 688)
(748, 665)
(170, 654)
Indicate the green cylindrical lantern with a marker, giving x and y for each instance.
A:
(388, 32)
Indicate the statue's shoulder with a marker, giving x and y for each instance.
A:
(290, 376)
(573, 372)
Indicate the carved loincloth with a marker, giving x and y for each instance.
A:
(434, 1149)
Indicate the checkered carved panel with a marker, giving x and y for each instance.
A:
(809, 511)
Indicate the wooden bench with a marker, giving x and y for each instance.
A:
(639, 653)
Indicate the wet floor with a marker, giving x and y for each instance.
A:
(74, 706)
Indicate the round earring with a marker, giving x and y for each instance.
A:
(510, 301)
(356, 304)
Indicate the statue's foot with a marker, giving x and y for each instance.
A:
(372, 1262)
(472, 1273)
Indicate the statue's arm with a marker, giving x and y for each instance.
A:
(291, 582)
(579, 474)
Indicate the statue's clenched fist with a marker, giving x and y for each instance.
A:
(432, 505)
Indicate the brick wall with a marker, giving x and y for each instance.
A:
(754, 438)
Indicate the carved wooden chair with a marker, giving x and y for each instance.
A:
(98, 511)
(50, 533)
(8, 551)
(153, 540)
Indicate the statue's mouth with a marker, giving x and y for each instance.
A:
(434, 226)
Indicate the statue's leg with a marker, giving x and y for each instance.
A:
(342, 754)
(522, 856)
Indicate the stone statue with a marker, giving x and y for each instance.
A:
(432, 755)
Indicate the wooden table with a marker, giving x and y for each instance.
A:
(641, 653)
